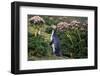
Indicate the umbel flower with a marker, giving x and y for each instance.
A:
(75, 23)
(36, 20)
(62, 26)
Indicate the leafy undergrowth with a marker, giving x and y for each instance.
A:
(73, 40)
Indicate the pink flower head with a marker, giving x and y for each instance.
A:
(36, 20)
(62, 26)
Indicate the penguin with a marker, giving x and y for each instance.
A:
(55, 43)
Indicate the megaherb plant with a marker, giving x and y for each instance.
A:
(72, 32)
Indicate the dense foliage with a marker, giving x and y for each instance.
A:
(73, 39)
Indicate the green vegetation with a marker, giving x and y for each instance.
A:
(73, 40)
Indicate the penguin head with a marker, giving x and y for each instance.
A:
(54, 27)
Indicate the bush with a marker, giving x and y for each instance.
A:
(38, 46)
(73, 43)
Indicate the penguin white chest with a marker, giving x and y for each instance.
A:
(53, 46)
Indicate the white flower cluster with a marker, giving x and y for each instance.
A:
(72, 25)
(36, 20)
(62, 25)
(74, 22)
